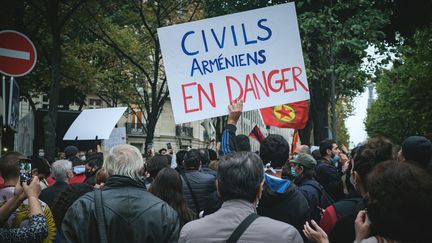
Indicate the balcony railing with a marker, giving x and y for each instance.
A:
(135, 129)
(184, 131)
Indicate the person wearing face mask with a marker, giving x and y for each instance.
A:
(327, 173)
(304, 168)
(92, 166)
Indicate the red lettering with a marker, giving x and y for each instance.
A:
(283, 78)
(269, 78)
(228, 78)
(248, 88)
(263, 87)
(201, 91)
(297, 80)
(187, 97)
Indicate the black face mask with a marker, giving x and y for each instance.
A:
(90, 173)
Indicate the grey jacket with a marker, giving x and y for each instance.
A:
(219, 226)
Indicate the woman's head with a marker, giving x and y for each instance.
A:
(167, 185)
(400, 199)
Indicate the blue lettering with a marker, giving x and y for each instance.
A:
(247, 42)
(263, 57)
(204, 40)
(205, 63)
(240, 56)
(220, 44)
(269, 31)
(234, 35)
(183, 44)
(195, 66)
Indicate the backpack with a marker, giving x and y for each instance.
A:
(325, 199)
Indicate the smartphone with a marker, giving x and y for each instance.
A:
(25, 171)
(169, 146)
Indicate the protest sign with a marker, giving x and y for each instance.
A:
(94, 124)
(255, 56)
(117, 137)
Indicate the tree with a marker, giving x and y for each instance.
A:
(334, 36)
(129, 28)
(404, 103)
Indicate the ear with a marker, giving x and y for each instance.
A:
(260, 189)
(328, 151)
(35, 172)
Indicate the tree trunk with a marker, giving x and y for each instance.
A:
(319, 108)
(150, 129)
(50, 120)
(305, 133)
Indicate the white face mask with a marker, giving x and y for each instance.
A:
(83, 158)
(41, 154)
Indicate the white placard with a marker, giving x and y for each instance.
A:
(94, 123)
(118, 136)
(254, 55)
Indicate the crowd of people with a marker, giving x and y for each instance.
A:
(377, 192)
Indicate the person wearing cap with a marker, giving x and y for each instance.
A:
(303, 166)
(72, 155)
(416, 150)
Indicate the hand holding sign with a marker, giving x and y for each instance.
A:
(235, 111)
(253, 56)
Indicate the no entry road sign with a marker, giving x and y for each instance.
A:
(17, 53)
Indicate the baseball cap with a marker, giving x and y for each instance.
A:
(306, 160)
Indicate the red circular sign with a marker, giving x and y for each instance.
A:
(17, 53)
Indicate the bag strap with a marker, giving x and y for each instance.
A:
(192, 193)
(100, 216)
(238, 232)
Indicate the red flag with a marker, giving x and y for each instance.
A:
(257, 134)
(295, 141)
(292, 115)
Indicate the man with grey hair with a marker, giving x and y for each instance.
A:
(61, 171)
(123, 211)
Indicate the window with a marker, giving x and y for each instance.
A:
(95, 103)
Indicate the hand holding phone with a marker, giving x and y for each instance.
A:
(25, 171)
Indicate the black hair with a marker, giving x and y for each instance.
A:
(212, 154)
(192, 159)
(168, 186)
(324, 145)
(204, 156)
(162, 149)
(41, 164)
(157, 163)
(275, 150)
(242, 143)
(240, 175)
(96, 160)
(400, 199)
(180, 157)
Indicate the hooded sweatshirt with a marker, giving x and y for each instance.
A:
(282, 201)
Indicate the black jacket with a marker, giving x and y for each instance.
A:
(330, 178)
(202, 185)
(50, 193)
(282, 201)
(131, 214)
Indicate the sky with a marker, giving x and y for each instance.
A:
(355, 123)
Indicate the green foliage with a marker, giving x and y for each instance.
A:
(344, 109)
(404, 103)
